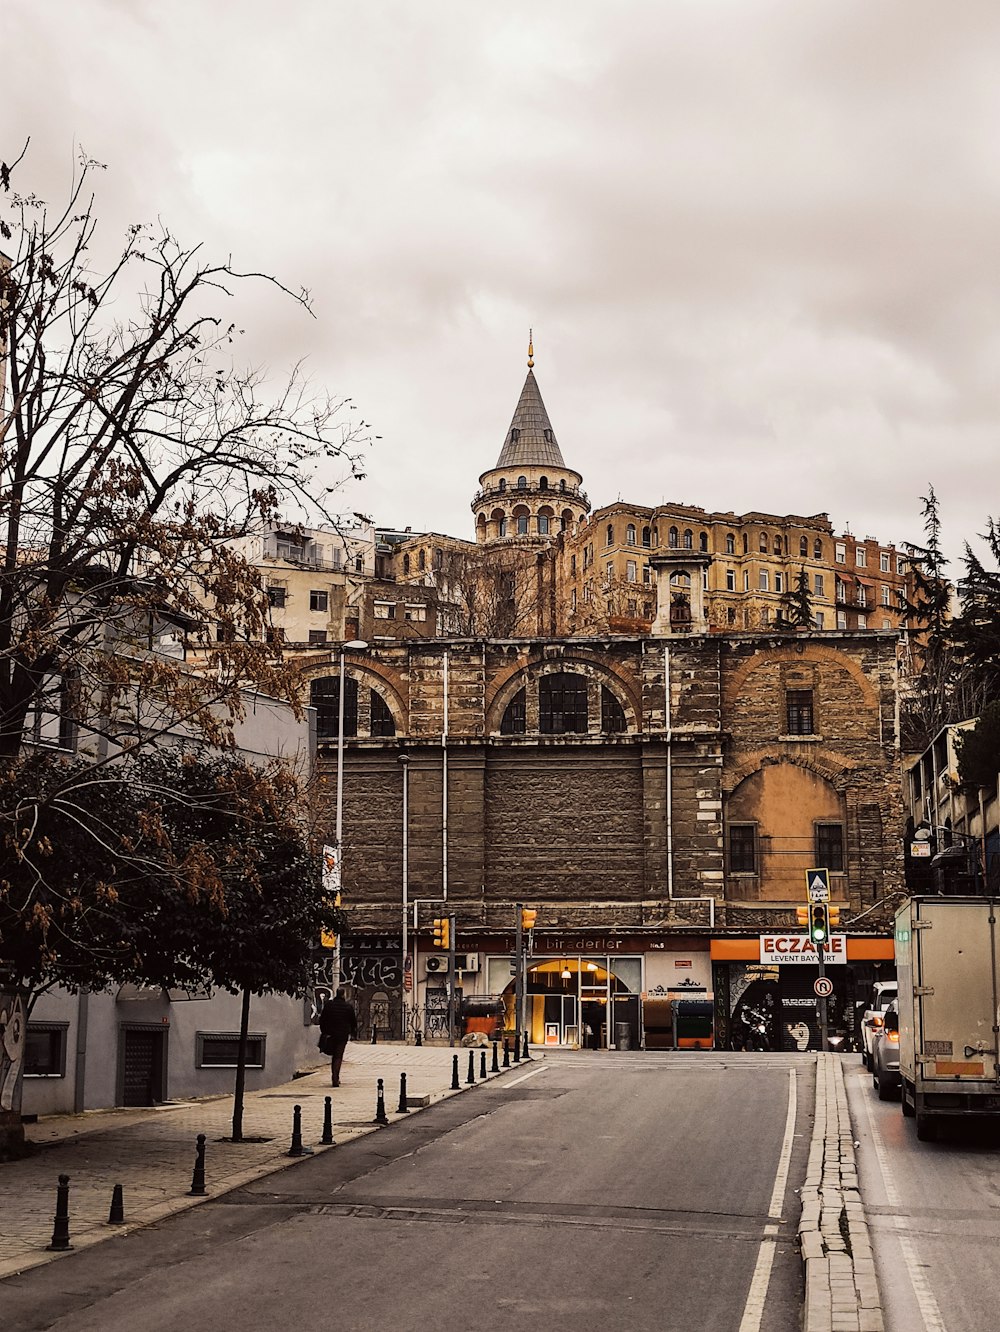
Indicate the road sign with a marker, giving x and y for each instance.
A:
(823, 987)
(818, 885)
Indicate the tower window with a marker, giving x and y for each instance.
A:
(503, 484)
(515, 434)
(548, 435)
(522, 483)
(543, 483)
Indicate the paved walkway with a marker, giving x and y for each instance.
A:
(151, 1152)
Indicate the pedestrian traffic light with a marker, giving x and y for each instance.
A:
(528, 915)
(442, 932)
(833, 915)
(819, 923)
(802, 916)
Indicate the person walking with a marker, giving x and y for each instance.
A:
(339, 1022)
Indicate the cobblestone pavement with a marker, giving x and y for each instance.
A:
(842, 1292)
(151, 1152)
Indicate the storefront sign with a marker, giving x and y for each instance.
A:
(799, 950)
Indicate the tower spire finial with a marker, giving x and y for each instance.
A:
(531, 350)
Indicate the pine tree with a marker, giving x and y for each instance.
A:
(797, 611)
(927, 608)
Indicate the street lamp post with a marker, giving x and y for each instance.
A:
(404, 762)
(355, 645)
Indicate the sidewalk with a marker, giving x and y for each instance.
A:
(151, 1152)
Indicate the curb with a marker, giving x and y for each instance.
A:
(842, 1293)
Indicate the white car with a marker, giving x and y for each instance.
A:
(883, 993)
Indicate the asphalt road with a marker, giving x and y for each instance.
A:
(617, 1191)
(934, 1212)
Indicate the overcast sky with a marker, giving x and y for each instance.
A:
(758, 242)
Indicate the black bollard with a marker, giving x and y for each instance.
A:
(527, 1052)
(402, 1108)
(380, 1116)
(198, 1177)
(495, 1066)
(374, 1034)
(517, 1051)
(419, 1040)
(506, 1052)
(482, 1064)
(60, 1229)
(471, 1076)
(296, 1148)
(454, 1073)
(116, 1217)
(327, 1138)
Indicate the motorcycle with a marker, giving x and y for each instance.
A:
(756, 1034)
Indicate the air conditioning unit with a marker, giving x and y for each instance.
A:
(436, 965)
(467, 962)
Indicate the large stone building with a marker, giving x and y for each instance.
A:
(655, 778)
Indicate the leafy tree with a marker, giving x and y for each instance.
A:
(979, 750)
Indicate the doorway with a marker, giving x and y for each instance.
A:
(142, 1065)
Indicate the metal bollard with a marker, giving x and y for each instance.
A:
(116, 1216)
(495, 1066)
(60, 1229)
(482, 1064)
(198, 1177)
(506, 1052)
(380, 1116)
(454, 1073)
(402, 1108)
(418, 1040)
(327, 1138)
(296, 1148)
(471, 1076)
(527, 1052)
(517, 1051)
(374, 1034)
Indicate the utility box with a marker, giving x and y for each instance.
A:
(947, 953)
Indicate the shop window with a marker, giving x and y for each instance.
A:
(514, 720)
(324, 696)
(742, 848)
(45, 1050)
(218, 1049)
(830, 846)
(562, 703)
(799, 712)
(319, 601)
(612, 713)
(381, 718)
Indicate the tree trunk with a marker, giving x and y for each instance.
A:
(13, 1029)
(241, 1069)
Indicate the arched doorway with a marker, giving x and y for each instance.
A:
(582, 1001)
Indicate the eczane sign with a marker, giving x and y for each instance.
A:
(799, 950)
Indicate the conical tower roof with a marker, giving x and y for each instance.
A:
(531, 441)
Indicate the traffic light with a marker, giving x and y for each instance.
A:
(802, 916)
(442, 932)
(819, 923)
(528, 915)
(833, 915)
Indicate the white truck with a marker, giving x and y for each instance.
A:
(947, 958)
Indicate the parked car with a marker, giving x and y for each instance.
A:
(882, 995)
(886, 1078)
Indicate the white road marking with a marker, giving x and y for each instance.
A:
(524, 1078)
(753, 1310)
(922, 1292)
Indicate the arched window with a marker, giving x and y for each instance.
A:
(515, 434)
(645, 537)
(522, 483)
(422, 559)
(501, 527)
(681, 580)
(382, 722)
(656, 536)
(566, 519)
(746, 543)
(543, 524)
(672, 538)
(611, 534)
(630, 535)
(730, 543)
(406, 564)
(562, 704)
(763, 543)
(543, 483)
(777, 545)
(522, 524)
(514, 720)
(817, 549)
(803, 545)
(503, 484)
(324, 696)
(612, 713)
(703, 541)
(562, 485)
(688, 539)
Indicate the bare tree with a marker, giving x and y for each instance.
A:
(494, 592)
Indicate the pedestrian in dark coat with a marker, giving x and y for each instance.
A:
(339, 1021)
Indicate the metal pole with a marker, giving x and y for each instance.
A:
(518, 975)
(824, 1033)
(451, 980)
(339, 831)
(404, 760)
